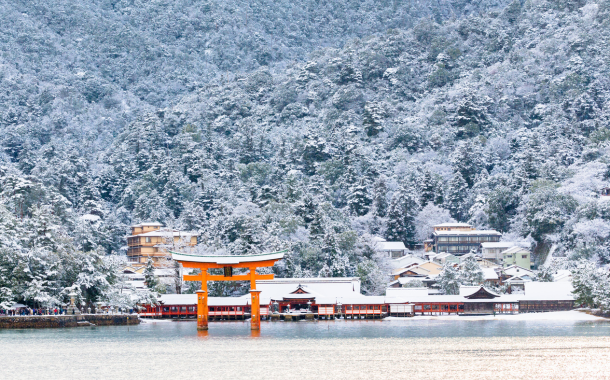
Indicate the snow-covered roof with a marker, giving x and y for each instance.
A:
(501, 244)
(406, 292)
(357, 300)
(452, 225)
(320, 287)
(466, 290)
(228, 259)
(473, 232)
(518, 279)
(562, 275)
(515, 270)
(540, 291)
(405, 261)
(442, 256)
(166, 233)
(390, 246)
(489, 274)
(148, 224)
(515, 250)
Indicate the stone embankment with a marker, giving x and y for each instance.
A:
(55, 321)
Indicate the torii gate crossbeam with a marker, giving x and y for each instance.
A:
(228, 263)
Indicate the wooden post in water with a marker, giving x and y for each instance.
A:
(202, 310)
(255, 312)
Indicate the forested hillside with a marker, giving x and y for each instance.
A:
(344, 123)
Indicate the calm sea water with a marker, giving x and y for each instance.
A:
(426, 349)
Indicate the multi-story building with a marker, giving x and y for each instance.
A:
(517, 256)
(445, 227)
(452, 227)
(462, 241)
(493, 251)
(152, 240)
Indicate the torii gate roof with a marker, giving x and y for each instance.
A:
(228, 260)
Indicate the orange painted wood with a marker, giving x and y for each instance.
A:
(244, 277)
(258, 264)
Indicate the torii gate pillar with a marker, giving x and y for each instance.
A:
(202, 310)
(255, 310)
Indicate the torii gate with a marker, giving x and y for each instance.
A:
(227, 263)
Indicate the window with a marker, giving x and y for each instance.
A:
(524, 256)
(148, 240)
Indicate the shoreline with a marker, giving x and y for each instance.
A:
(64, 321)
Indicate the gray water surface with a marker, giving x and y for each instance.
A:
(394, 349)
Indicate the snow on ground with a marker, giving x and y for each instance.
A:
(572, 315)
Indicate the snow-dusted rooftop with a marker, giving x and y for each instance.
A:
(539, 291)
(473, 232)
(489, 274)
(501, 244)
(406, 292)
(405, 261)
(515, 250)
(390, 246)
(452, 225)
(165, 233)
(148, 224)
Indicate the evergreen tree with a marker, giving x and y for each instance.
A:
(429, 190)
(457, 194)
(359, 201)
(401, 217)
(471, 273)
(449, 280)
(380, 202)
(317, 227)
(150, 279)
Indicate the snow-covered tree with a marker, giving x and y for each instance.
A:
(471, 272)
(449, 280)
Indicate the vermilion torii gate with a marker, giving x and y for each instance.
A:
(227, 263)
